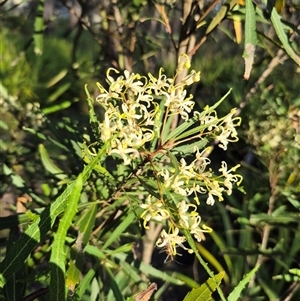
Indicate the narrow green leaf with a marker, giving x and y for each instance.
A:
(120, 229)
(56, 108)
(188, 149)
(181, 131)
(57, 286)
(191, 242)
(58, 92)
(150, 270)
(148, 187)
(92, 250)
(227, 6)
(49, 165)
(58, 77)
(278, 26)
(94, 123)
(250, 38)
(39, 29)
(114, 286)
(85, 283)
(182, 128)
(235, 294)
(86, 223)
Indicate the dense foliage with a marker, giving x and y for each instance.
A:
(150, 141)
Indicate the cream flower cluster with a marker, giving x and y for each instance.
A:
(193, 178)
(131, 106)
(137, 110)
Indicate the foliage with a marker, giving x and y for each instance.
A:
(99, 199)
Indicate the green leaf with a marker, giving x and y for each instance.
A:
(250, 38)
(147, 184)
(191, 242)
(57, 93)
(120, 229)
(188, 149)
(278, 26)
(86, 223)
(57, 286)
(235, 294)
(49, 165)
(85, 283)
(37, 230)
(227, 6)
(204, 292)
(94, 123)
(58, 77)
(150, 271)
(180, 129)
(114, 286)
(56, 108)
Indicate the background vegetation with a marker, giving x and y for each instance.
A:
(50, 50)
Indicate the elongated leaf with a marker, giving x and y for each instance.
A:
(58, 77)
(37, 230)
(86, 223)
(57, 287)
(94, 123)
(250, 38)
(120, 229)
(227, 6)
(180, 129)
(148, 187)
(204, 291)
(212, 260)
(56, 108)
(150, 270)
(278, 26)
(188, 149)
(85, 283)
(114, 286)
(191, 242)
(58, 92)
(235, 294)
(49, 165)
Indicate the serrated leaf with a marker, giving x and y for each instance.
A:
(38, 229)
(57, 286)
(236, 293)
(205, 291)
(191, 242)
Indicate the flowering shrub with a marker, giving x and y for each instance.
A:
(138, 118)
